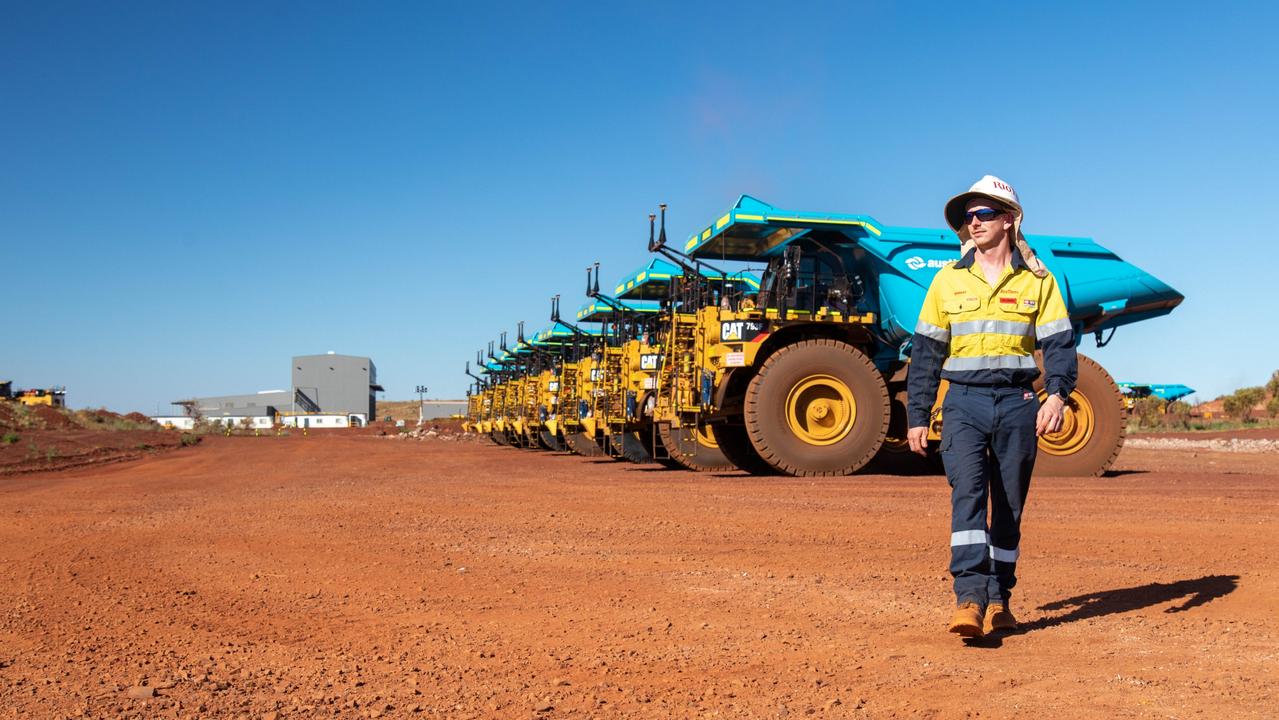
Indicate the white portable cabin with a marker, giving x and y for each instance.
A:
(322, 420)
(256, 422)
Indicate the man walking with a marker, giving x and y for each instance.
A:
(978, 329)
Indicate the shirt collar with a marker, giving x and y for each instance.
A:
(1018, 262)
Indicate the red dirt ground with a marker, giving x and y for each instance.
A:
(43, 438)
(38, 450)
(361, 576)
(1258, 433)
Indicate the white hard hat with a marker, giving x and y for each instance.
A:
(988, 187)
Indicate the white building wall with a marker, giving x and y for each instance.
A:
(322, 420)
(258, 422)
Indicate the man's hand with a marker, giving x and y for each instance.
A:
(918, 439)
(1050, 415)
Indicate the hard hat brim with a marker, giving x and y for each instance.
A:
(955, 207)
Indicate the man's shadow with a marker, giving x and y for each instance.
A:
(1110, 602)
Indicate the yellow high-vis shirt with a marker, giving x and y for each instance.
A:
(973, 334)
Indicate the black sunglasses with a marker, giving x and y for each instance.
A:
(985, 215)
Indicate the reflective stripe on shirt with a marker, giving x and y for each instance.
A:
(1001, 327)
(1049, 329)
(990, 362)
(929, 330)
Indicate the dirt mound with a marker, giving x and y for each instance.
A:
(37, 449)
(100, 416)
(441, 430)
(445, 425)
(103, 419)
(49, 438)
(52, 418)
(407, 410)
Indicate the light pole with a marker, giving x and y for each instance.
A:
(421, 389)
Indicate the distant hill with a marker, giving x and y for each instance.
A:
(1216, 408)
(406, 410)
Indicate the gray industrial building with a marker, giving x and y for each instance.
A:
(337, 383)
(328, 384)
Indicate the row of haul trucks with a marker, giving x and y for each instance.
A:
(797, 366)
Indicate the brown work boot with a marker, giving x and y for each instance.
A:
(999, 617)
(967, 620)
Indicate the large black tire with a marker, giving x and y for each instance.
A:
(549, 441)
(648, 435)
(536, 439)
(582, 444)
(693, 450)
(798, 423)
(1093, 432)
(894, 456)
(633, 448)
(661, 457)
(736, 446)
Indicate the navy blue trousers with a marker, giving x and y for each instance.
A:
(988, 446)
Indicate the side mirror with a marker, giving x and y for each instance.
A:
(655, 244)
(593, 289)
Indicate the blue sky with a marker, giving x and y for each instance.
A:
(192, 194)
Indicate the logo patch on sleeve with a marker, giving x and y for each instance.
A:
(1028, 303)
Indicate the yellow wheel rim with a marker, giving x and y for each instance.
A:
(705, 438)
(820, 410)
(1077, 425)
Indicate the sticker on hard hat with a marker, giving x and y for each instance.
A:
(650, 383)
(735, 359)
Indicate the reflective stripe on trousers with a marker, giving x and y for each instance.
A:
(988, 447)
